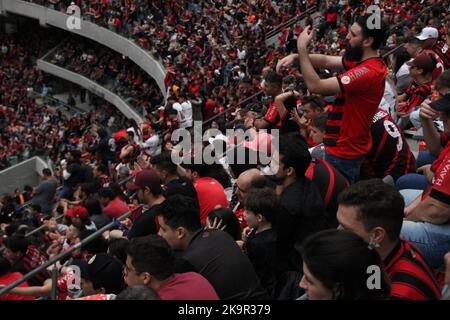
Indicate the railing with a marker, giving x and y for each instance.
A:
(91, 86)
(60, 256)
(115, 41)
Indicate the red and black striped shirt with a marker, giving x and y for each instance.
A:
(411, 278)
(33, 259)
(330, 183)
(415, 95)
(390, 153)
(443, 51)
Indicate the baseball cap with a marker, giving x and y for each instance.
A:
(428, 33)
(442, 104)
(78, 212)
(423, 61)
(103, 270)
(145, 178)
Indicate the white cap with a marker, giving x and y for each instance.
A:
(428, 33)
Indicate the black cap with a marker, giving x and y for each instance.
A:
(442, 104)
(104, 271)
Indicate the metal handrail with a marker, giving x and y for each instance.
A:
(122, 182)
(41, 227)
(62, 255)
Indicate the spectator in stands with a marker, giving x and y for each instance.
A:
(102, 274)
(302, 210)
(72, 174)
(374, 211)
(312, 107)
(212, 253)
(101, 177)
(273, 119)
(210, 193)
(390, 154)
(243, 185)
(113, 206)
(420, 88)
(335, 267)
(7, 277)
(427, 217)
(167, 171)
(150, 262)
(44, 193)
(345, 150)
(261, 206)
(148, 187)
(95, 213)
(103, 147)
(25, 257)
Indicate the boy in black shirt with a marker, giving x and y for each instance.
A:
(260, 211)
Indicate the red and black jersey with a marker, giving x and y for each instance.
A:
(415, 95)
(439, 67)
(411, 278)
(390, 153)
(33, 259)
(330, 183)
(443, 51)
(283, 122)
(441, 181)
(347, 132)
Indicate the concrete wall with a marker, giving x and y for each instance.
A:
(25, 173)
(90, 85)
(92, 31)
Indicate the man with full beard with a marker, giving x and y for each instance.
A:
(359, 91)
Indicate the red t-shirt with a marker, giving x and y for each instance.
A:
(187, 286)
(10, 278)
(441, 181)
(349, 119)
(116, 208)
(210, 194)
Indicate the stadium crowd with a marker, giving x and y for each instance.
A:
(348, 194)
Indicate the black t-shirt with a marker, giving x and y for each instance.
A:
(145, 225)
(76, 174)
(181, 186)
(217, 257)
(261, 250)
(302, 213)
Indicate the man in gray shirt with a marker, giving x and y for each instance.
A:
(45, 192)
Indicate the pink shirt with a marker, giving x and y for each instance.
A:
(187, 286)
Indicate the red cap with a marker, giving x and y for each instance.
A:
(423, 61)
(145, 178)
(78, 212)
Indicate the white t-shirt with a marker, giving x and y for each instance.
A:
(389, 102)
(184, 113)
(151, 145)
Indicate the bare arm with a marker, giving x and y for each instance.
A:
(430, 133)
(320, 61)
(261, 124)
(430, 210)
(43, 291)
(312, 79)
